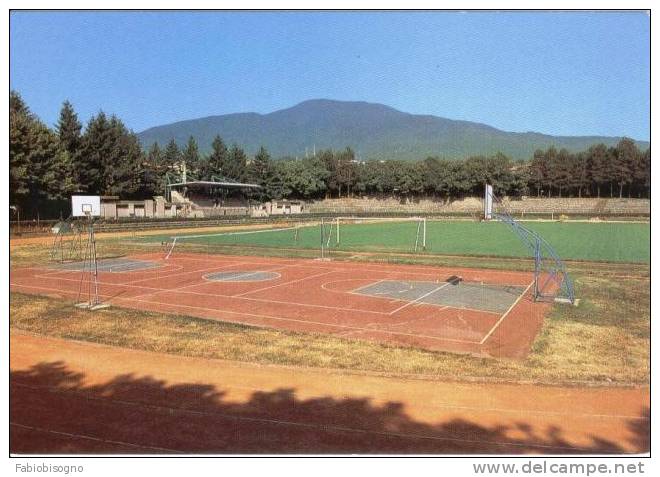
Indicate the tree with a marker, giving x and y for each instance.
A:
(260, 167)
(69, 129)
(151, 173)
(172, 155)
(579, 172)
(645, 179)
(96, 148)
(37, 169)
(110, 157)
(190, 156)
(121, 167)
(345, 170)
(598, 167)
(236, 163)
(20, 122)
(624, 164)
(538, 171)
(330, 162)
(216, 162)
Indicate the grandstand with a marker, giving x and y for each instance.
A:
(211, 198)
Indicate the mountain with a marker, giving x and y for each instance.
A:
(374, 131)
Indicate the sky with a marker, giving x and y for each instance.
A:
(562, 73)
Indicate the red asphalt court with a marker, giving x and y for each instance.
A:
(312, 296)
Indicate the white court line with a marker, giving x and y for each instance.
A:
(282, 284)
(178, 274)
(505, 314)
(156, 291)
(255, 315)
(430, 271)
(419, 298)
(220, 234)
(203, 282)
(331, 325)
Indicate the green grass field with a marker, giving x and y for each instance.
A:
(608, 242)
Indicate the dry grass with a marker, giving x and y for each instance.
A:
(575, 345)
(604, 340)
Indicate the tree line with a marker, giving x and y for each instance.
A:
(106, 158)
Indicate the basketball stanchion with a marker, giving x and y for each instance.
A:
(88, 207)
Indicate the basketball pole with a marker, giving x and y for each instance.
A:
(93, 302)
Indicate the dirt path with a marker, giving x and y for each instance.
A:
(72, 397)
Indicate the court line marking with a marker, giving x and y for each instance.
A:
(350, 266)
(159, 290)
(282, 284)
(392, 299)
(241, 275)
(410, 303)
(156, 291)
(255, 315)
(270, 317)
(506, 313)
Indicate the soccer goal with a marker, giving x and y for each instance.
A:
(377, 234)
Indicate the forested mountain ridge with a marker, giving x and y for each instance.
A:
(374, 131)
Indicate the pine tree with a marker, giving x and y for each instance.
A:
(236, 163)
(551, 167)
(190, 156)
(121, 168)
(216, 163)
(97, 145)
(260, 167)
(69, 129)
(20, 120)
(151, 173)
(538, 171)
(34, 166)
(624, 164)
(597, 160)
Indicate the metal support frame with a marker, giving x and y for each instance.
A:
(558, 285)
(90, 271)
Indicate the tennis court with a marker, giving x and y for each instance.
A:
(482, 312)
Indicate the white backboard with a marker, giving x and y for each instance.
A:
(86, 205)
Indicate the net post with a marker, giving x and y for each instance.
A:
(537, 267)
(322, 230)
(488, 202)
(423, 233)
(337, 225)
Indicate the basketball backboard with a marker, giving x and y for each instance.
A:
(85, 205)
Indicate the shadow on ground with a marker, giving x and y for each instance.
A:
(52, 411)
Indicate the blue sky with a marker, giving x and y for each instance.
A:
(557, 73)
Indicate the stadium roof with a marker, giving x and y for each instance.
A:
(237, 185)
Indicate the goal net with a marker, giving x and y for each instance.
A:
(373, 234)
